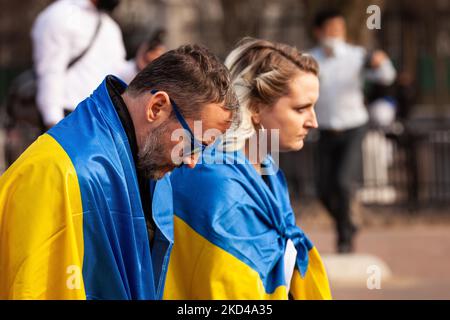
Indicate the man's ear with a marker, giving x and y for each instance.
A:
(158, 107)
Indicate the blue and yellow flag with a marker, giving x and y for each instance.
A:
(231, 231)
(71, 219)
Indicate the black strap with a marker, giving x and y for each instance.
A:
(81, 55)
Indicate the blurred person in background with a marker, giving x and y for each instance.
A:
(235, 230)
(342, 116)
(403, 95)
(152, 48)
(75, 45)
(60, 33)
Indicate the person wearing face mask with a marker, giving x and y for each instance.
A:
(342, 115)
(75, 45)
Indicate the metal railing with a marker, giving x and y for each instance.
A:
(410, 168)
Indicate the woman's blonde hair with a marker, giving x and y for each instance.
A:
(261, 72)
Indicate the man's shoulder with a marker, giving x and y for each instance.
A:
(43, 158)
(46, 152)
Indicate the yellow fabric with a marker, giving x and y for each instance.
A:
(314, 286)
(200, 270)
(41, 226)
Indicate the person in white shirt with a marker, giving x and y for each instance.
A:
(342, 115)
(60, 33)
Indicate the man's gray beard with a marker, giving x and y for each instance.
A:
(151, 160)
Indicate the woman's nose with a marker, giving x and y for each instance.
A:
(312, 121)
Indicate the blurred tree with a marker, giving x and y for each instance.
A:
(293, 19)
(16, 20)
(242, 18)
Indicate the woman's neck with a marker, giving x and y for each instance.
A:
(254, 152)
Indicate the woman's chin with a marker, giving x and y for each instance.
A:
(295, 146)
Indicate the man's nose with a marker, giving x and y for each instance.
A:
(191, 160)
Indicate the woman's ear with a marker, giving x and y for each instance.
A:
(256, 114)
(158, 106)
(256, 119)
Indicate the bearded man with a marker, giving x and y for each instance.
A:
(76, 213)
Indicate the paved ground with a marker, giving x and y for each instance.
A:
(417, 253)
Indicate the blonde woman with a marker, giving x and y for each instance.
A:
(235, 232)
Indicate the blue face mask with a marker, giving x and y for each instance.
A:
(336, 45)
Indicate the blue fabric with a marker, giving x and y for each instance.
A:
(230, 205)
(117, 258)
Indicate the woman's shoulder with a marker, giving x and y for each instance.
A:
(219, 169)
(208, 182)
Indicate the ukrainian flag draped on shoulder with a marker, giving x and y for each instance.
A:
(231, 232)
(71, 219)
